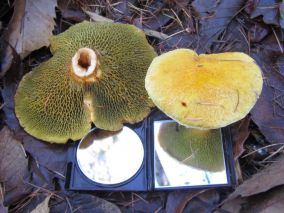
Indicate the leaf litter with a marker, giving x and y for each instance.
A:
(206, 26)
(13, 166)
(266, 185)
(29, 29)
(3, 209)
(42, 207)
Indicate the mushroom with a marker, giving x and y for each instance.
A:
(204, 91)
(193, 147)
(96, 75)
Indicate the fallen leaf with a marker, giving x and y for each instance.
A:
(281, 10)
(233, 206)
(7, 92)
(121, 10)
(240, 132)
(13, 166)
(139, 202)
(29, 29)
(269, 202)
(268, 9)
(161, 12)
(3, 209)
(51, 156)
(213, 16)
(75, 202)
(268, 112)
(258, 32)
(192, 201)
(96, 17)
(234, 38)
(42, 207)
(262, 181)
(99, 18)
(73, 15)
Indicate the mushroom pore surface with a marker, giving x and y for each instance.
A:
(96, 75)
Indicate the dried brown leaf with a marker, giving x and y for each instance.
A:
(257, 32)
(51, 156)
(13, 165)
(268, 112)
(269, 202)
(86, 203)
(160, 14)
(192, 201)
(233, 206)
(153, 33)
(240, 132)
(268, 9)
(42, 207)
(234, 38)
(262, 181)
(73, 15)
(29, 29)
(281, 10)
(7, 93)
(214, 16)
(96, 17)
(2, 208)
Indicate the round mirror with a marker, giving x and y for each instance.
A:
(110, 157)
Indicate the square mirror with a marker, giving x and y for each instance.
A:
(187, 157)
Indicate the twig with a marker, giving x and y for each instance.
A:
(69, 205)
(278, 42)
(274, 153)
(2, 105)
(46, 190)
(261, 149)
(152, 33)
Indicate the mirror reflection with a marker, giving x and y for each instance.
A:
(110, 157)
(187, 157)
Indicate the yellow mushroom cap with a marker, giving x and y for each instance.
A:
(204, 91)
(96, 75)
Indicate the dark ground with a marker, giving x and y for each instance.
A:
(31, 170)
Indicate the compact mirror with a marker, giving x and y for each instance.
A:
(187, 157)
(110, 157)
(154, 154)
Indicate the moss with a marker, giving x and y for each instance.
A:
(55, 106)
(204, 91)
(201, 149)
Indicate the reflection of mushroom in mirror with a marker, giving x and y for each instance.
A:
(101, 155)
(204, 91)
(98, 135)
(96, 75)
(201, 149)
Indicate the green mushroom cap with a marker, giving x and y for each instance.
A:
(201, 149)
(96, 75)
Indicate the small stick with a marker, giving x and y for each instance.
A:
(153, 33)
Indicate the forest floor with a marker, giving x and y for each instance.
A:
(32, 172)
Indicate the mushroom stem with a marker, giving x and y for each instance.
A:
(84, 62)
